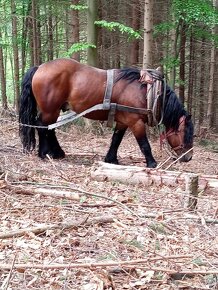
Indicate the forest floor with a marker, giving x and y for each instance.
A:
(113, 236)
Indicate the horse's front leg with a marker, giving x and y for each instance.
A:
(139, 132)
(117, 137)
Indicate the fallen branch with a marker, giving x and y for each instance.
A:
(47, 192)
(134, 263)
(62, 226)
(97, 264)
(7, 279)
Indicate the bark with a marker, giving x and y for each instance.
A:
(47, 192)
(202, 84)
(30, 35)
(135, 24)
(38, 28)
(182, 62)
(139, 175)
(50, 34)
(174, 53)
(35, 34)
(25, 25)
(15, 54)
(92, 32)
(210, 110)
(2, 77)
(115, 38)
(215, 105)
(190, 76)
(148, 32)
(74, 32)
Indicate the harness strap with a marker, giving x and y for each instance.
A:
(71, 116)
(108, 90)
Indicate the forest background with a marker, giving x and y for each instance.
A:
(181, 36)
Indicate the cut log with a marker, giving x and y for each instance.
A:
(189, 182)
(138, 175)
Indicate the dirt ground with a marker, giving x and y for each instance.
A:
(113, 236)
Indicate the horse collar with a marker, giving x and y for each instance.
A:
(154, 81)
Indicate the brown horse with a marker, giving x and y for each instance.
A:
(48, 88)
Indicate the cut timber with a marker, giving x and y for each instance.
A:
(146, 176)
(139, 175)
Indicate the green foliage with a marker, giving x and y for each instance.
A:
(163, 28)
(79, 7)
(195, 11)
(169, 62)
(112, 26)
(198, 16)
(79, 46)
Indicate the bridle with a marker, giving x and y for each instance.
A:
(172, 132)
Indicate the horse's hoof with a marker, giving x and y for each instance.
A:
(42, 155)
(53, 155)
(112, 161)
(57, 155)
(152, 164)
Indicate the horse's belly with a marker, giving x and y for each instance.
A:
(97, 115)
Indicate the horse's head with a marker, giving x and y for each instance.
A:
(181, 140)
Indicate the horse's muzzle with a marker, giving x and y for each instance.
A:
(187, 157)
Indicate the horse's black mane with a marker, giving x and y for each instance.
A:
(173, 108)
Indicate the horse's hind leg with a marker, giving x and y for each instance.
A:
(48, 143)
(55, 148)
(139, 132)
(117, 137)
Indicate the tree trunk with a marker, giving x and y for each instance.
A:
(135, 23)
(15, 53)
(92, 32)
(25, 25)
(74, 32)
(202, 84)
(148, 32)
(210, 110)
(35, 60)
(174, 53)
(50, 34)
(38, 28)
(2, 76)
(182, 62)
(190, 76)
(30, 35)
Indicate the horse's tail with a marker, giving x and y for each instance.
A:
(27, 112)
